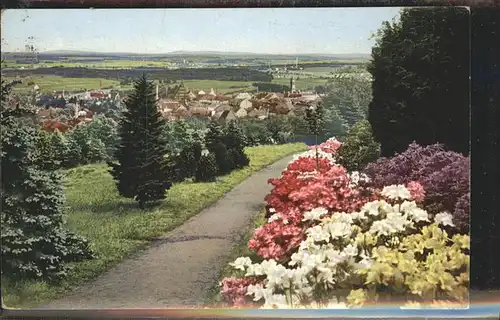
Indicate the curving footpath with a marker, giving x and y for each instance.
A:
(178, 269)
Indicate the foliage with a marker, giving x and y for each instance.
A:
(179, 135)
(214, 136)
(235, 142)
(420, 70)
(114, 225)
(187, 161)
(256, 132)
(358, 148)
(141, 172)
(85, 147)
(445, 175)
(52, 150)
(106, 130)
(271, 87)
(224, 160)
(34, 242)
(336, 242)
(225, 74)
(206, 170)
(279, 128)
(350, 97)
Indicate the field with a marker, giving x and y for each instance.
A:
(49, 83)
(98, 64)
(117, 228)
(219, 86)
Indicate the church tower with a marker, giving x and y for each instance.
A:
(292, 85)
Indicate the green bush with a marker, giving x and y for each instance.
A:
(223, 159)
(239, 158)
(51, 150)
(206, 170)
(358, 148)
(85, 147)
(187, 161)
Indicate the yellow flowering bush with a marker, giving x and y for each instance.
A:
(391, 250)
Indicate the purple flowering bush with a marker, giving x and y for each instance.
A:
(443, 174)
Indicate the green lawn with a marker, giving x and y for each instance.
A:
(116, 227)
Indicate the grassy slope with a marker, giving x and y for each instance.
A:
(117, 228)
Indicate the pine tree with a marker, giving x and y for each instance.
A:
(206, 170)
(142, 171)
(235, 142)
(224, 160)
(34, 242)
(214, 136)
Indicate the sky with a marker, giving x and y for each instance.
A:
(256, 30)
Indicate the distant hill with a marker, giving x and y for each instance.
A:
(318, 56)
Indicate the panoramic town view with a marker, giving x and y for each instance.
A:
(256, 158)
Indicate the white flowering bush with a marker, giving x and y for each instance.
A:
(387, 248)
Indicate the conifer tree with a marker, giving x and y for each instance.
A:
(206, 170)
(214, 136)
(34, 242)
(235, 141)
(142, 171)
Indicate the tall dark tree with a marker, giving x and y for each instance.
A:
(34, 242)
(235, 142)
(420, 70)
(142, 171)
(315, 119)
(214, 135)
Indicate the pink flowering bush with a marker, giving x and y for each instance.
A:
(330, 232)
(234, 290)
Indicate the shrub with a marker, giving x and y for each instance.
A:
(84, 147)
(51, 150)
(239, 158)
(225, 163)
(187, 160)
(443, 174)
(207, 168)
(358, 148)
(214, 136)
(106, 130)
(334, 241)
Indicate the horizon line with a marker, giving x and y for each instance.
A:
(192, 52)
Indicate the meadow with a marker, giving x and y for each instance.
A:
(116, 227)
(49, 83)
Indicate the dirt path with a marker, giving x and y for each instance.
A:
(179, 268)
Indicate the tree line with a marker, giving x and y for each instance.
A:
(222, 74)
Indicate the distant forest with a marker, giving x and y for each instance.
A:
(229, 74)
